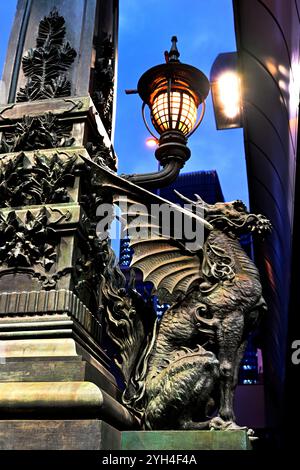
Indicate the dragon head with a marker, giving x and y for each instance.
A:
(234, 217)
(231, 217)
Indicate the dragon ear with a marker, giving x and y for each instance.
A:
(202, 202)
(199, 199)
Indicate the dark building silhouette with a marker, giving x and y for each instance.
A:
(204, 183)
(268, 38)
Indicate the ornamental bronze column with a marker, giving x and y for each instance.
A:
(58, 106)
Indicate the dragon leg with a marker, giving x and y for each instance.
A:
(229, 337)
(239, 357)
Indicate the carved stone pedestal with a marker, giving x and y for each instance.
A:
(56, 388)
(55, 391)
(89, 434)
(51, 363)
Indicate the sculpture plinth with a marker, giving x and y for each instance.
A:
(185, 440)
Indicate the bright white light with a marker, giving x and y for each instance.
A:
(294, 86)
(230, 93)
(283, 85)
(151, 142)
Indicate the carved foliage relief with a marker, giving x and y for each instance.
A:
(29, 242)
(46, 65)
(42, 181)
(103, 95)
(37, 132)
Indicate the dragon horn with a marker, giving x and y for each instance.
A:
(184, 198)
(199, 199)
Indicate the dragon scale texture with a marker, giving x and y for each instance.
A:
(180, 370)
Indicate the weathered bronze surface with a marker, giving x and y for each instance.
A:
(22, 397)
(104, 81)
(45, 66)
(181, 371)
(62, 399)
(60, 434)
(59, 280)
(48, 219)
(33, 133)
(52, 357)
(38, 347)
(185, 440)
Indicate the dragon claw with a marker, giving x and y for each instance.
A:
(218, 424)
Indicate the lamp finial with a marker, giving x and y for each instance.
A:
(174, 53)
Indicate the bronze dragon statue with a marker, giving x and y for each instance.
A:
(181, 372)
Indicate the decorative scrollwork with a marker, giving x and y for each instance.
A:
(134, 334)
(89, 265)
(217, 264)
(46, 64)
(101, 154)
(37, 132)
(104, 81)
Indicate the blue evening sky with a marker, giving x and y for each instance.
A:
(204, 29)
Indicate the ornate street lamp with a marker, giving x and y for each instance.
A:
(173, 92)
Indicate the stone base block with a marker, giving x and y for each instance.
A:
(58, 435)
(185, 440)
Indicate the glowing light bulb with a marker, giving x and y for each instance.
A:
(229, 93)
(180, 113)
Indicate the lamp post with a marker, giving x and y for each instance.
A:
(173, 91)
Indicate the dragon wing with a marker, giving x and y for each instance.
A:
(163, 259)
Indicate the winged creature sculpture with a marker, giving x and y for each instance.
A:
(181, 372)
